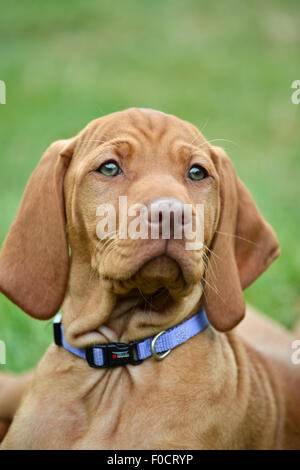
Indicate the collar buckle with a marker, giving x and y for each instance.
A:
(114, 354)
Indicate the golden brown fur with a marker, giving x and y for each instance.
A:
(226, 388)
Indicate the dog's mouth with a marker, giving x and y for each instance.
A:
(153, 288)
(157, 302)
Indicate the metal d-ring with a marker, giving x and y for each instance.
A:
(154, 353)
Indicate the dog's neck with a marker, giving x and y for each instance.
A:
(92, 313)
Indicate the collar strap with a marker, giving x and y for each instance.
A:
(118, 354)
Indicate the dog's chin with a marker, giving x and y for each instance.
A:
(154, 287)
(156, 297)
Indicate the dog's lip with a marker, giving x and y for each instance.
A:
(172, 249)
(144, 254)
(178, 253)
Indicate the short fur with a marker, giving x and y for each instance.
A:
(230, 387)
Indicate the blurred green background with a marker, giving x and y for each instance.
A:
(227, 66)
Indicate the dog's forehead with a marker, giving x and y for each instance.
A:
(141, 124)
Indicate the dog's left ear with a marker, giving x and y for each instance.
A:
(243, 247)
(34, 260)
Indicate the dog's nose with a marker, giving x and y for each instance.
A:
(168, 216)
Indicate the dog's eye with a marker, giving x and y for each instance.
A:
(109, 169)
(197, 173)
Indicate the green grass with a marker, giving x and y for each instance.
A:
(225, 66)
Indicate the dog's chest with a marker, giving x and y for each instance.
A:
(68, 426)
(162, 416)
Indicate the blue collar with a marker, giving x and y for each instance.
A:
(118, 354)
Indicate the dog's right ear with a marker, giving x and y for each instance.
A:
(34, 261)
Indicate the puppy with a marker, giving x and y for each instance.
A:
(220, 389)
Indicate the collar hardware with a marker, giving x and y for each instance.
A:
(119, 354)
(156, 356)
(114, 354)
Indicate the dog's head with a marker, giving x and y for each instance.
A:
(90, 230)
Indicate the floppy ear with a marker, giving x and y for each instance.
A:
(256, 245)
(243, 247)
(34, 261)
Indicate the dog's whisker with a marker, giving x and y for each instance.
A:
(92, 140)
(233, 235)
(223, 140)
(212, 253)
(111, 237)
(208, 262)
(204, 126)
(212, 287)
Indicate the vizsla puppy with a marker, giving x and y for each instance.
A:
(221, 388)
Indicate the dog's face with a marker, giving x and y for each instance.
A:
(154, 160)
(153, 171)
